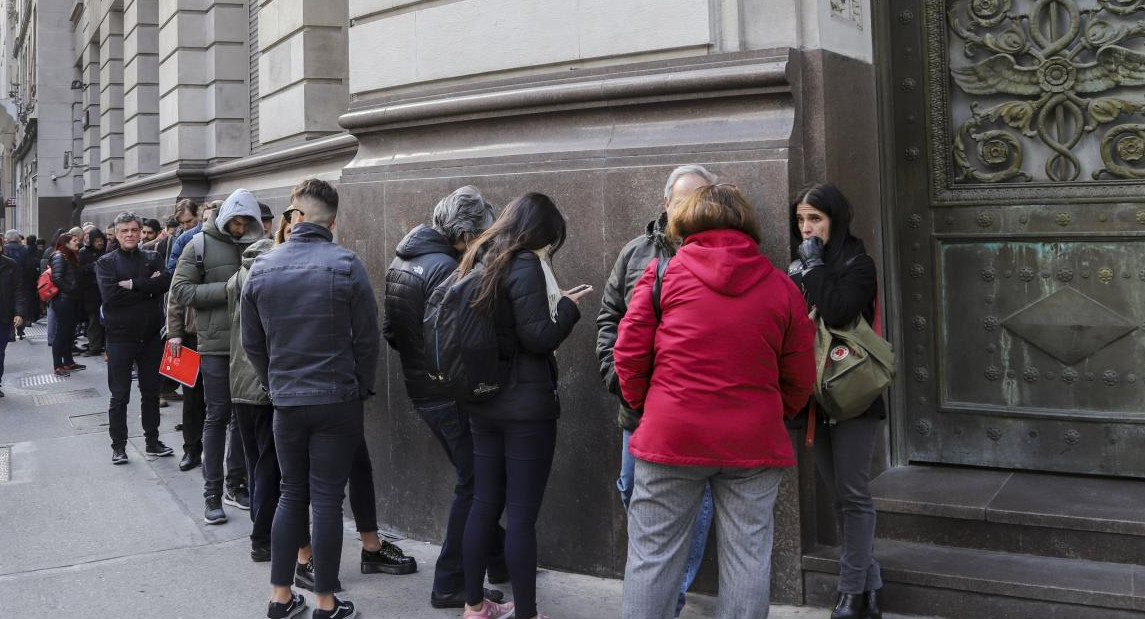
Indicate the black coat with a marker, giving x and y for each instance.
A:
(629, 268)
(137, 314)
(424, 259)
(88, 256)
(843, 289)
(65, 275)
(14, 300)
(526, 331)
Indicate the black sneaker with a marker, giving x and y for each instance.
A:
(214, 514)
(304, 576)
(237, 497)
(389, 560)
(259, 553)
(276, 610)
(457, 599)
(118, 455)
(342, 610)
(157, 449)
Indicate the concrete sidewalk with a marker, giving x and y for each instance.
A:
(81, 538)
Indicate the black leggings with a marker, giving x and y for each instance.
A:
(65, 338)
(511, 462)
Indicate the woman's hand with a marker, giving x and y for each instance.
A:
(811, 252)
(575, 294)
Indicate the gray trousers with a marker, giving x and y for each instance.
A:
(660, 519)
(843, 455)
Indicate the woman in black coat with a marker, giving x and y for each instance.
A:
(839, 278)
(515, 433)
(65, 275)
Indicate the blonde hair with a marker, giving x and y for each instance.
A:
(712, 207)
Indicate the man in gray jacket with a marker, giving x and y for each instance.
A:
(208, 260)
(310, 328)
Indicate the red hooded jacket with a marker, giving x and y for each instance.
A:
(731, 356)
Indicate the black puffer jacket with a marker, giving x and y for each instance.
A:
(65, 275)
(14, 299)
(88, 285)
(424, 259)
(526, 331)
(629, 267)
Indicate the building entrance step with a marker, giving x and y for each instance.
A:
(958, 583)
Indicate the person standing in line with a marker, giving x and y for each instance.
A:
(630, 266)
(66, 304)
(310, 329)
(196, 224)
(132, 282)
(200, 282)
(181, 332)
(91, 296)
(21, 255)
(515, 432)
(31, 274)
(15, 305)
(425, 257)
(377, 555)
(45, 264)
(267, 217)
(715, 394)
(838, 277)
(151, 230)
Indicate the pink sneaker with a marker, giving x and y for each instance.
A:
(491, 610)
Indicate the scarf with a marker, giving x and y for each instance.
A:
(552, 288)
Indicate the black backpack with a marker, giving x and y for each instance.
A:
(461, 343)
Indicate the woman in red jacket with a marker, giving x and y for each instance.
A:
(729, 358)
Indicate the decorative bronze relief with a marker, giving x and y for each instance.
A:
(1071, 67)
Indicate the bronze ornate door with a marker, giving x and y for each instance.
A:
(1018, 142)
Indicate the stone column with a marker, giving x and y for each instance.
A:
(111, 98)
(302, 70)
(140, 88)
(91, 117)
(203, 69)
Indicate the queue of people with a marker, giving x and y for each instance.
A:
(277, 424)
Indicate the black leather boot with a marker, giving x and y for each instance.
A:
(872, 608)
(849, 606)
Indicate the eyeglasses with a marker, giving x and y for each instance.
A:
(288, 214)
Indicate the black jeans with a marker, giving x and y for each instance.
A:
(216, 377)
(5, 337)
(65, 311)
(194, 408)
(316, 446)
(450, 426)
(256, 425)
(94, 331)
(121, 357)
(512, 460)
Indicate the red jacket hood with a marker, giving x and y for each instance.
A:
(727, 261)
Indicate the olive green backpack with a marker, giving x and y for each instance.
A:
(854, 366)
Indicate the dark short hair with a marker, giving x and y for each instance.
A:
(153, 224)
(170, 222)
(713, 207)
(319, 191)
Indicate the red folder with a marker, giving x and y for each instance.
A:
(183, 369)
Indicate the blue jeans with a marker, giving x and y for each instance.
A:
(699, 531)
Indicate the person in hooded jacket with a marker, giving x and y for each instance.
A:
(715, 394)
(837, 276)
(66, 305)
(89, 254)
(630, 266)
(425, 257)
(515, 432)
(21, 255)
(200, 282)
(15, 305)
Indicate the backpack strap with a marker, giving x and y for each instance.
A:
(661, 267)
(197, 242)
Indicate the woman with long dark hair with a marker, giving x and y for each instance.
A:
(515, 433)
(65, 275)
(839, 278)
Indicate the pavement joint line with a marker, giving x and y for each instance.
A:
(117, 559)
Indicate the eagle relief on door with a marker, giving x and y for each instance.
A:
(1023, 253)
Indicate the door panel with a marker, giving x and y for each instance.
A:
(1019, 143)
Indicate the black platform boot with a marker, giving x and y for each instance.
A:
(872, 610)
(849, 606)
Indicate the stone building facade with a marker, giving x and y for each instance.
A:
(988, 261)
